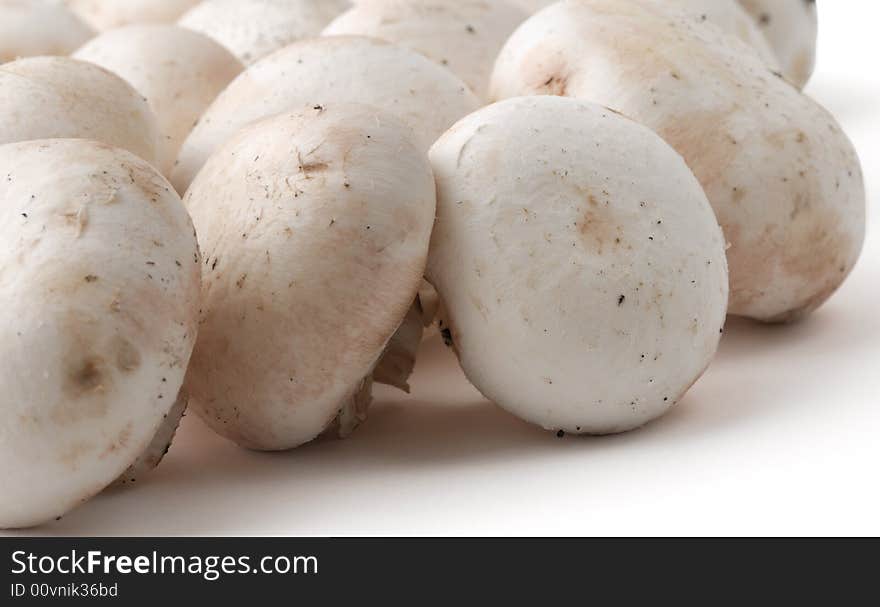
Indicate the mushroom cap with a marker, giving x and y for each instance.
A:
(581, 268)
(108, 14)
(179, 71)
(315, 228)
(253, 29)
(730, 17)
(791, 27)
(782, 177)
(725, 14)
(464, 36)
(532, 6)
(425, 96)
(59, 97)
(99, 275)
(29, 28)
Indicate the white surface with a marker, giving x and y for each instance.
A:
(782, 436)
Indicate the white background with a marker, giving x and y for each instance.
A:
(782, 436)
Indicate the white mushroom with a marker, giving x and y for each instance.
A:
(99, 272)
(315, 228)
(725, 14)
(729, 16)
(29, 28)
(580, 264)
(791, 27)
(179, 71)
(782, 177)
(424, 95)
(464, 35)
(252, 29)
(107, 14)
(58, 97)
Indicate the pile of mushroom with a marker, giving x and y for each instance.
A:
(782, 177)
(252, 209)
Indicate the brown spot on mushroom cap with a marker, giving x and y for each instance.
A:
(75, 451)
(127, 356)
(556, 85)
(314, 167)
(83, 392)
(120, 442)
(87, 376)
(597, 229)
(813, 246)
(738, 194)
(545, 71)
(703, 140)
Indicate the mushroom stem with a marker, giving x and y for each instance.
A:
(354, 412)
(399, 358)
(158, 447)
(429, 300)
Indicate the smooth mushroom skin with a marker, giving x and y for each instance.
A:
(29, 28)
(581, 268)
(109, 14)
(725, 14)
(99, 282)
(791, 27)
(59, 97)
(179, 71)
(253, 29)
(782, 177)
(464, 36)
(315, 228)
(730, 17)
(425, 96)
(532, 6)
